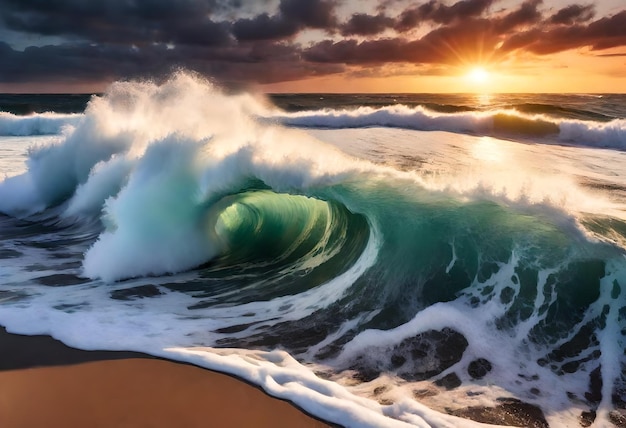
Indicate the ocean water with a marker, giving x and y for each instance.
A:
(379, 260)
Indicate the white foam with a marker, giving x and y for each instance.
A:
(594, 134)
(397, 116)
(107, 324)
(18, 196)
(543, 178)
(154, 222)
(105, 180)
(503, 348)
(36, 124)
(493, 123)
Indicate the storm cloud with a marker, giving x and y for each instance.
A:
(280, 40)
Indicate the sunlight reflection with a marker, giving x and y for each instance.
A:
(483, 99)
(487, 149)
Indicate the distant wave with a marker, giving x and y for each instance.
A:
(36, 124)
(500, 123)
(560, 112)
(556, 106)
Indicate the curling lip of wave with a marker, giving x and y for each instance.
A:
(37, 124)
(498, 122)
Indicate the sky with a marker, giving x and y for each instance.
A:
(317, 45)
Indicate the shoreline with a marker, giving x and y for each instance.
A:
(46, 383)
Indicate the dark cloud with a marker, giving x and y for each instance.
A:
(353, 52)
(440, 13)
(118, 21)
(72, 63)
(606, 28)
(260, 63)
(573, 14)
(310, 13)
(611, 55)
(376, 52)
(256, 41)
(462, 42)
(467, 40)
(411, 18)
(264, 27)
(604, 33)
(293, 16)
(201, 32)
(461, 10)
(361, 24)
(478, 39)
(527, 14)
(121, 39)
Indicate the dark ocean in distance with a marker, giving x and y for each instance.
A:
(600, 107)
(381, 260)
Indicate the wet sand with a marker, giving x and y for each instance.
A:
(44, 383)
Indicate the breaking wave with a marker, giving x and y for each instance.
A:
(36, 124)
(501, 123)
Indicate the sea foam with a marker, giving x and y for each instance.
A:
(36, 124)
(493, 123)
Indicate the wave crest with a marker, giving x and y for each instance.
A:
(12, 125)
(492, 123)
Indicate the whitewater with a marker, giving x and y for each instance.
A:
(378, 261)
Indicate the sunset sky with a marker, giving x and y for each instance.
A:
(317, 45)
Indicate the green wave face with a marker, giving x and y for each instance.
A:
(263, 225)
(283, 243)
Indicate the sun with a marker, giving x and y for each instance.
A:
(478, 75)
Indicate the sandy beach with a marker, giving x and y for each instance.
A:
(44, 383)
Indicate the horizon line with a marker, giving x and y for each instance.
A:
(348, 93)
